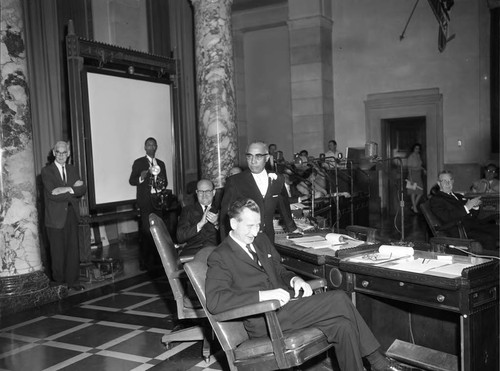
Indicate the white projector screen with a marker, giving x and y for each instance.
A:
(123, 112)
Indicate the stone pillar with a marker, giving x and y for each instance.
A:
(216, 98)
(22, 281)
(310, 29)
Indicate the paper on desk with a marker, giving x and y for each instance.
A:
(332, 246)
(417, 265)
(320, 244)
(454, 269)
(395, 250)
(312, 238)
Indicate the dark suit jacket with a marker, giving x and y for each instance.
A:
(187, 230)
(232, 277)
(449, 210)
(143, 193)
(56, 206)
(243, 185)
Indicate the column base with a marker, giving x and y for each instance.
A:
(26, 291)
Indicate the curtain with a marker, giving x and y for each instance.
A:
(182, 42)
(44, 76)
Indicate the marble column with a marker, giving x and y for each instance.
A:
(22, 280)
(216, 97)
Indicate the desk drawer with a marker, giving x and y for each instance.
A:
(408, 292)
(303, 268)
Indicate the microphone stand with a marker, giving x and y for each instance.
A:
(337, 206)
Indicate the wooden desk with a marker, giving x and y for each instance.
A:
(311, 263)
(454, 315)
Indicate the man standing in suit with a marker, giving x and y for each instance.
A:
(267, 189)
(198, 224)
(246, 269)
(450, 208)
(149, 175)
(62, 189)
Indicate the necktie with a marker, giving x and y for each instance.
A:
(254, 254)
(64, 174)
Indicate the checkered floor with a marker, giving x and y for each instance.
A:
(117, 331)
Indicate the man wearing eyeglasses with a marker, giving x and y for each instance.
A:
(450, 208)
(488, 184)
(62, 189)
(266, 189)
(199, 223)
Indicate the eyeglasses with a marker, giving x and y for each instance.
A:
(491, 171)
(61, 153)
(257, 156)
(206, 193)
(447, 181)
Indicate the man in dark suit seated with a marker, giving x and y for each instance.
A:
(246, 268)
(198, 224)
(149, 175)
(450, 208)
(267, 189)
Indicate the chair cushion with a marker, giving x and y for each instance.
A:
(293, 340)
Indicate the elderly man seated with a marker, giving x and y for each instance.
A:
(198, 224)
(450, 207)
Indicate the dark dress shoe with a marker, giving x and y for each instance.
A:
(77, 287)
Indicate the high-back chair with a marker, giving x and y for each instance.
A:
(278, 351)
(188, 307)
(438, 229)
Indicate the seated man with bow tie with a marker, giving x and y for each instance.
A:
(198, 224)
(246, 269)
(450, 207)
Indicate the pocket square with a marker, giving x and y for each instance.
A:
(275, 195)
(269, 256)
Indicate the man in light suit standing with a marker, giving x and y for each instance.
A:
(62, 189)
(146, 172)
(266, 189)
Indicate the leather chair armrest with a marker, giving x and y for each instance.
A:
(185, 259)
(317, 283)
(248, 310)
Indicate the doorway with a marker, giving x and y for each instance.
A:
(398, 137)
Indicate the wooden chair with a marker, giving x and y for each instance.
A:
(188, 307)
(278, 351)
(438, 229)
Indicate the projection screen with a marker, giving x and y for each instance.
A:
(122, 113)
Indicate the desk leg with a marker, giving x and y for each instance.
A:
(479, 340)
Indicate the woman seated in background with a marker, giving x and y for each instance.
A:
(489, 183)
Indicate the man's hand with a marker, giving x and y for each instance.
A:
(144, 173)
(78, 183)
(299, 284)
(213, 218)
(473, 203)
(277, 294)
(61, 190)
(203, 220)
